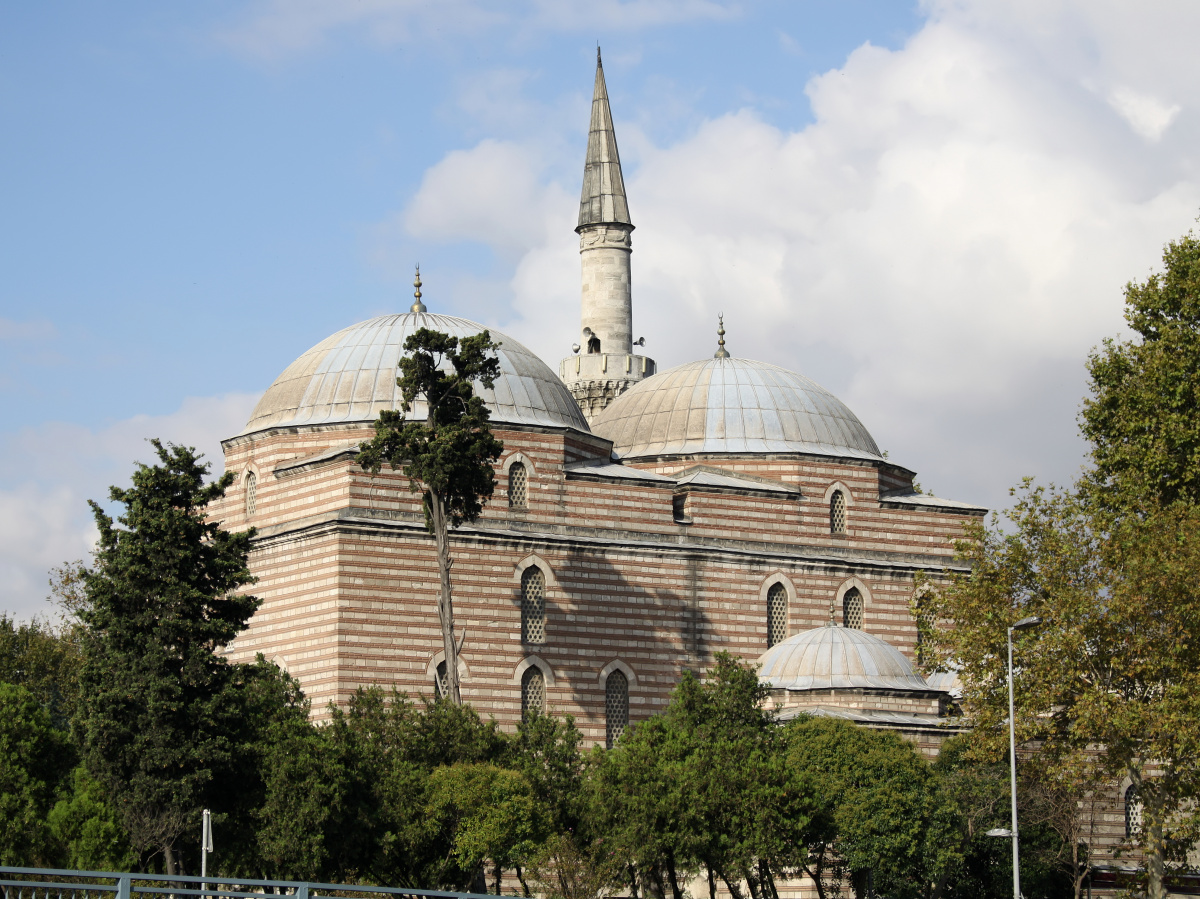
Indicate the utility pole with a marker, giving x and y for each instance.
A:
(206, 844)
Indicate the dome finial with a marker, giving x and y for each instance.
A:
(721, 352)
(417, 305)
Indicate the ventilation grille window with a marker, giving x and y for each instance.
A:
(925, 626)
(777, 609)
(533, 606)
(852, 609)
(533, 691)
(251, 493)
(1133, 812)
(837, 513)
(441, 681)
(518, 486)
(616, 707)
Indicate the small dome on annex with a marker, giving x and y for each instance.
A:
(350, 377)
(838, 658)
(732, 406)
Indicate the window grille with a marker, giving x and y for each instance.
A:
(777, 609)
(441, 680)
(1133, 812)
(518, 489)
(852, 609)
(533, 605)
(616, 707)
(533, 691)
(251, 493)
(837, 513)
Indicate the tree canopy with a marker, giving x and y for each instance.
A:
(448, 455)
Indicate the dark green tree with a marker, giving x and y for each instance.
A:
(35, 757)
(43, 660)
(161, 728)
(1141, 417)
(448, 456)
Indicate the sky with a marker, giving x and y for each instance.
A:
(931, 209)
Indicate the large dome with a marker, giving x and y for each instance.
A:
(832, 657)
(731, 405)
(351, 376)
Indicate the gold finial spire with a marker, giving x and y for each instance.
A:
(417, 305)
(721, 352)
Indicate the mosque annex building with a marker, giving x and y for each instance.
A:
(643, 522)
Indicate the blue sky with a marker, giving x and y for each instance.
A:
(929, 209)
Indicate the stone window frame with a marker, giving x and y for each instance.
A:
(438, 661)
(250, 491)
(550, 590)
(848, 502)
(764, 590)
(616, 665)
(839, 601)
(519, 674)
(530, 474)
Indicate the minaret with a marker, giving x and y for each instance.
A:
(604, 366)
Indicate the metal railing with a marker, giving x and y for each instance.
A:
(49, 883)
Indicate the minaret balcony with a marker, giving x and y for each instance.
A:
(606, 366)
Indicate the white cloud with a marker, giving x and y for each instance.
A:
(1146, 115)
(941, 247)
(53, 469)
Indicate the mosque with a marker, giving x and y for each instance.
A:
(643, 522)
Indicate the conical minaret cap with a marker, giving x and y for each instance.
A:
(603, 200)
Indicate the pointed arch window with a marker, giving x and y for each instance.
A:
(852, 609)
(251, 493)
(616, 707)
(533, 691)
(1133, 812)
(441, 680)
(777, 614)
(533, 605)
(837, 513)
(518, 486)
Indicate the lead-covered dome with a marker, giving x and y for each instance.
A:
(834, 658)
(351, 376)
(726, 405)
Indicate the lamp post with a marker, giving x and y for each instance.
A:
(1023, 624)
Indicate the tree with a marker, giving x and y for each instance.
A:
(43, 661)
(86, 828)
(35, 756)
(1109, 685)
(161, 728)
(449, 456)
(1141, 417)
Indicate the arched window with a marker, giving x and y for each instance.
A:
(837, 513)
(852, 609)
(518, 489)
(616, 707)
(251, 493)
(441, 681)
(533, 691)
(533, 605)
(777, 614)
(1133, 812)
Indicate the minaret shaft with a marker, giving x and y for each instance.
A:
(605, 365)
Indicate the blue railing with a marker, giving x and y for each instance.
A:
(47, 883)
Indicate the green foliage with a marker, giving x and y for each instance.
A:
(34, 758)
(43, 661)
(1141, 417)
(162, 725)
(450, 453)
(86, 829)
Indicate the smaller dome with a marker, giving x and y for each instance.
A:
(732, 406)
(833, 658)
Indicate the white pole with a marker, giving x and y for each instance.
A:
(1012, 764)
(206, 844)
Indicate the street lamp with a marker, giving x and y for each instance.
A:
(1023, 624)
